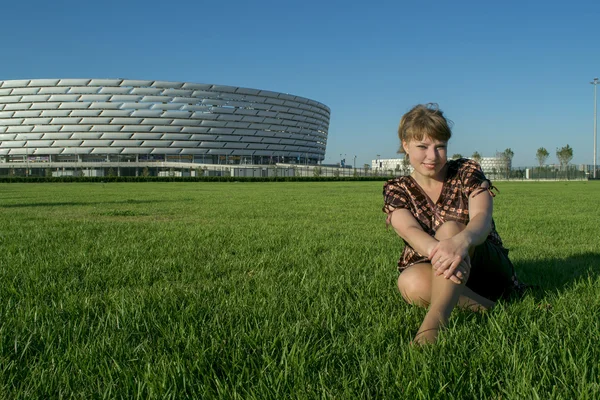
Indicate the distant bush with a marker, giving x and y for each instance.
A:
(108, 179)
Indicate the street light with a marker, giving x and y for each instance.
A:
(595, 83)
(355, 161)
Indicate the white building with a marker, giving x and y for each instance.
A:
(489, 165)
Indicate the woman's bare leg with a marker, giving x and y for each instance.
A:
(444, 294)
(414, 283)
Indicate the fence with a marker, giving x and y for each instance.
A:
(169, 169)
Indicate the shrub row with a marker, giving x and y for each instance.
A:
(107, 179)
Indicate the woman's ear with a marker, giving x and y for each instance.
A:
(405, 147)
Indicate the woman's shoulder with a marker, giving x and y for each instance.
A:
(459, 166)
(400, 182)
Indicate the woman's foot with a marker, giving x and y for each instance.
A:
(426, 336)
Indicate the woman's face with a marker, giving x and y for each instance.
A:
(427, 156)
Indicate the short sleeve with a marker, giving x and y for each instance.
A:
(394, 197)
(473, 179)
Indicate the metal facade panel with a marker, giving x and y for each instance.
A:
(53, 90)
(193, 151)
(83, 90)
(23, 114)
(176, 136)
(228, 138)
(221, 131)
(17, 151)
(271, 140)
(11, 121)
(257, 146)
(166, 129)
(264, 153)
(66, 143)
(48, 151)
(146, 91)
(137, 150)
(123, 97)
(156, 121)
(223, 88)
(178, 92)
(134, 82)
(96, 143)
(28, 136)
(230, 145)
(146, 136)
(177, 114)
(203, 137)
(250, 139)
(96, 121)
(38, 143)
(213, 145)
(167, 84)
(106, 105)
(46, 128)
(105, 82)
(14, 83)
(65, 121)
(86, 135)
(18, 129)
(116, 135)
(166, 150)
(56, 135)
(166, 107)
(147, 113)
(185, 143)
(22, 91)
(137, 128)
(195, 129)
(114, 90)
(222, 152)
(83, 113)
(156, 143)
(115, 113)
(106, 150)
(196, 86)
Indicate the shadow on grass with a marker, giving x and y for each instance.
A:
(553, 275)
(81, 203)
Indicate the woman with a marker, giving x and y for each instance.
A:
(443, 212)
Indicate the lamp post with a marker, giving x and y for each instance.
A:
(595, 83)
(355, 161)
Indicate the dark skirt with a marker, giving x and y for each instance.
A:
(492, 273)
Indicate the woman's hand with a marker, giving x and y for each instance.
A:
(448, 255)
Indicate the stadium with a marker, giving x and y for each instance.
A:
(98, 127)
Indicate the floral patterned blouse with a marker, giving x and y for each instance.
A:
(462, 179)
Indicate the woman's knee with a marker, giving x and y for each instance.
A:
(415, 285)
(449, 229)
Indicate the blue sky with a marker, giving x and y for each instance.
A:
(509, 74)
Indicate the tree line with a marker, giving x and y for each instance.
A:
(563, 154)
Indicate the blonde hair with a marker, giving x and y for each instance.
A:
(424, 120)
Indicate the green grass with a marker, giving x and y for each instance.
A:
(279, 290)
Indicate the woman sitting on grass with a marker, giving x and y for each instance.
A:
(443, 212)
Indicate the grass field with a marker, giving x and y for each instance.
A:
(279, 290)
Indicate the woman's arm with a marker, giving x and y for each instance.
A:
(407, 227)
(449, 253)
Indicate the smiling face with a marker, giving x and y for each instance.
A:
(427, 156)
